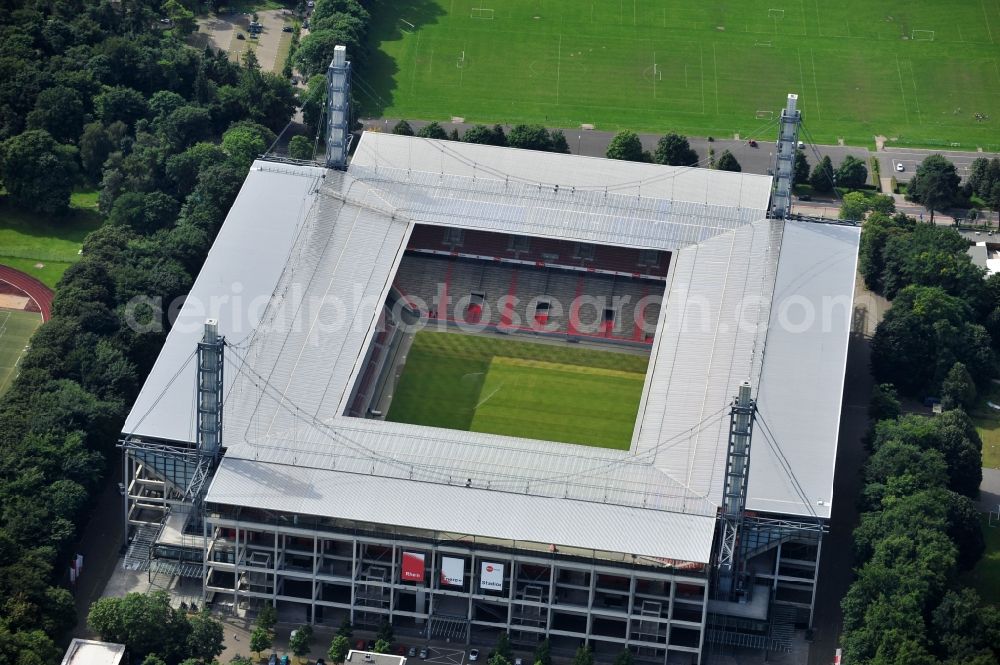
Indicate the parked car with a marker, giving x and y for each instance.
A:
(518, 661)
(423, 653)
(473, 655)
(285, 660)
(239, 35)
(287, 28)
(359, 645)
(900, 167)
(305, 24)
(412, 653)
(320, 661)
(273, 660)
(801, 145)
(370, 646)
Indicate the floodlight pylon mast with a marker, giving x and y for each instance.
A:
(784, 161)
(734, 498)
(338, 109)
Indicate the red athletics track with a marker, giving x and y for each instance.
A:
(41, 294)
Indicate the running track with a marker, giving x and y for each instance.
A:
(41, 294)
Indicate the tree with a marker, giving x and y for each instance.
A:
(958, 389)
(884, 403)
(882, 203)
(497, 659)
(145, 623)
(529, 137)
(852, 173)
(583, 656)
(433, 131)
(963, 625)
(338, 649)
(854, 206)
(37, 171)
(95, 146)
(59, 111)
(120, 103)
(244, 141)
(260, 640)
(934, 185)
(800, 172)
(626, 146)
(301, 640)
(559, 143)
(402, 127)
(314, 102)
(381, 646)
(822, 176)
(186, 126)
(543, 653)
(346, 629)
(181, 17)
(979, 180)
(205, 641)
(240, 660)
(674, 150)
(503, 647)
(300, 147)
(144, 213)
(385, 632)
(727, 162)
(624, 658)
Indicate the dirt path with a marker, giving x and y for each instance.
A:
(38, 292)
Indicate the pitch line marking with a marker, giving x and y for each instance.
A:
(819, 25)
(812, 57)
(902, 92)
(701, 73)
(802, 76)
(558, 67)
(715, 61)
(916, 94)
(805, 28)
(413, 72)
(986, 16)
(488, 397)
(635, 12)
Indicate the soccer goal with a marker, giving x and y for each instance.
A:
(657, 73)
(922, 35)
(406, 26)
(765, 115)
(482, 13)
(460, 62)
(776, 13)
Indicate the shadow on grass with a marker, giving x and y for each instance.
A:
(74, 225)
(375, 78)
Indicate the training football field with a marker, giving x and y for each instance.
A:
(16, 329)
(924, 72)
(481, 383)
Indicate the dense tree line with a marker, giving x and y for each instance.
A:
(944, 310)
(92, 92)
(919, 530)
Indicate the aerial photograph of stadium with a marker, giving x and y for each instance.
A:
(532, 332)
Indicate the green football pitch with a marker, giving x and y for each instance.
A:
(537, 391)
(16, 329)
(922, 72)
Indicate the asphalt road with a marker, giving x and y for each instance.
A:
(592, 143)
(910, 158)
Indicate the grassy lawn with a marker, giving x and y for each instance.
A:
(917, 72)
(284, 46)
(985, 577)
(15, 330)
(987, 421)
(27, 239)
(537, 391)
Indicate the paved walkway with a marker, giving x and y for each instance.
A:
(989, 490)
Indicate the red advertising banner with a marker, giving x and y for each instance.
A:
(413, 567)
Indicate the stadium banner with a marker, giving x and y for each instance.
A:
(491, 576)
(452, 571)
(413, 567)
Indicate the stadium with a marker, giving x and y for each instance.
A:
(470, 390)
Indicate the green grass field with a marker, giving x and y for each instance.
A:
(27, 239)
(985, 577)
(987, 422)
(917, 72)
(536, 391)
(16, 329)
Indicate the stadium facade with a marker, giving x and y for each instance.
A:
(263, 465)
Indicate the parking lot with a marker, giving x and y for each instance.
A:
(271, 44)
(910, 158)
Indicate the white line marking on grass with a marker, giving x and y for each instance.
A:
(997, 68)
(805, 28)
(819, 25)
(802, 76)
(489, 397)
(701, 71)
(901, 91)
(812, 57)
(635, 12)
(664, 17)
(982, 3)
(430, 65)
(715, 62)
(558, 67)
(413, 72)
(916, 94)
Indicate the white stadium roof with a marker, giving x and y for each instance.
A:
(313, 253)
